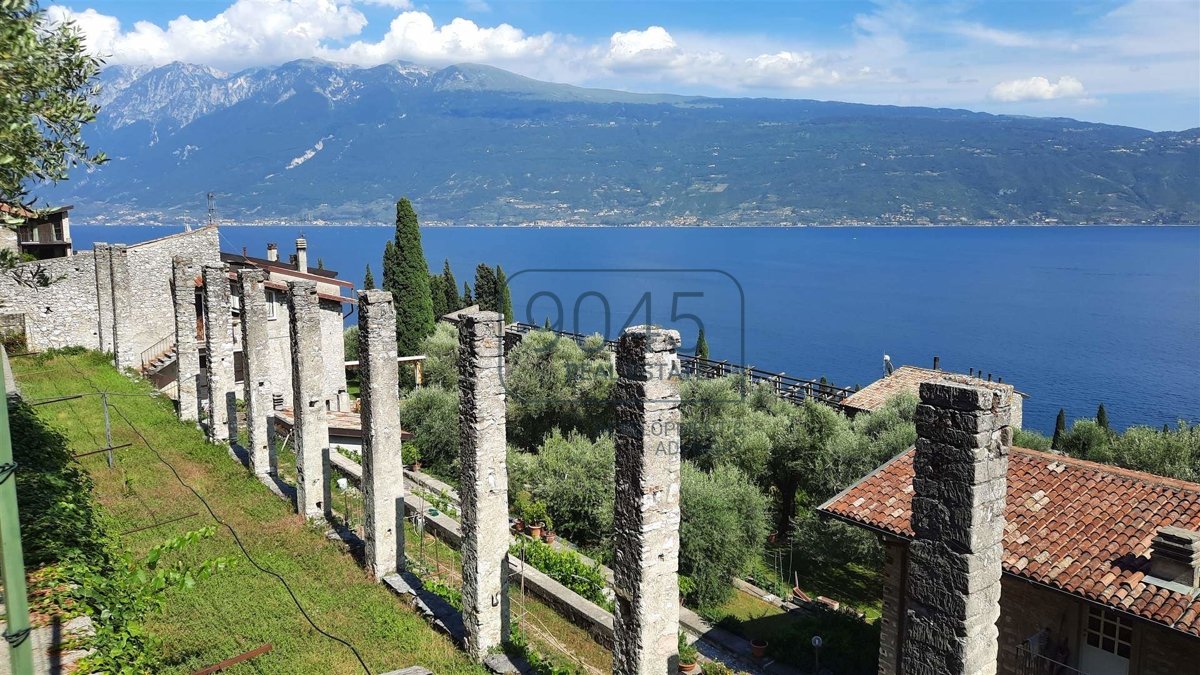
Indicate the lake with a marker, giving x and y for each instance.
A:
(1072, 316)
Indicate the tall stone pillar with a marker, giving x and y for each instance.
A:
(484, 487)
(218, 340)
(959, 486)
(256, 373)
(382, 464)
(646, 510)
(187, 351)
(122, 319)
(308, 386)
(102, 253)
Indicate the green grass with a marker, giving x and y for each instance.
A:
(241, 608)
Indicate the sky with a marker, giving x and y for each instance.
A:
(1130, 62)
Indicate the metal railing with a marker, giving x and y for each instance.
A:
(162, 346)
(1028, 663)
(786, 387)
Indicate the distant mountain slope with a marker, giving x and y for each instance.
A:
(479, 145)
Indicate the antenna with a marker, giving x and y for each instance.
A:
(212, 209)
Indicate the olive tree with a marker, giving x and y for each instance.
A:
(47, 97)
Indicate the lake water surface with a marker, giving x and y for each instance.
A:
(1072, 316)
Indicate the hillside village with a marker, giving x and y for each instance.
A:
(994, 557)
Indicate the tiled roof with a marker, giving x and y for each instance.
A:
(905, 379)
(1078, 526)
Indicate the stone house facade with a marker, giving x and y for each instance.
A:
(1083, 588)
(119, 299)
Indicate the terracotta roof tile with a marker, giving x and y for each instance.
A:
(1082, 527)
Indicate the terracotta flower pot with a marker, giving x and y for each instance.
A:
(758, 648)
(416, 466)
(518, 526)
(550, 536)
(535, 530)
(689, 667)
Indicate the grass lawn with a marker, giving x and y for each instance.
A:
(239, 608)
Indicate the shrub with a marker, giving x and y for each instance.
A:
(430, 414)
(724, 525)
(1024, 438)
(573, 476)
(553, 382)
(440, 368)
(565, 567)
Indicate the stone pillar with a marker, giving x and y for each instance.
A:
(484, 486)
(122, 318)
(256, 370)
(646, 510)
(382, 465)
(960, 479)
(891, 621)
(187, 352)
(102, 253)
(311, 428)
(218, 340)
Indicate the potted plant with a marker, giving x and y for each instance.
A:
(411, 455)
(686, 587)
(522, 502)
(550, 535)
(688, 655)
(758, 648)
(535, 519)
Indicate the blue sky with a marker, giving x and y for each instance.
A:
(1133, 62)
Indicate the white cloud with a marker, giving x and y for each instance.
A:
(642, 47)
(248, 32)
(395, 4)
(1037, 89)
(414, 36)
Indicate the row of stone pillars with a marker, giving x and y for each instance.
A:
(646, 621)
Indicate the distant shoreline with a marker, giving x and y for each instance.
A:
(894, 226)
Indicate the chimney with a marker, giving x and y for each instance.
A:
(272, 252)
(937, 363)
(301, 255)
(1175, 556)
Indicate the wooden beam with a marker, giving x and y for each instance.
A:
(233, 661)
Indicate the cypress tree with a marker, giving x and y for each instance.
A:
(1166, 428)
(391, 265)
(1060, 428)
(368, 280)
(1102, 417)
(450, 288)
(485, 288)
(701, 346)
(409, 282)
(503, 297)
(547, 326)
(467, 300)
(437, 295)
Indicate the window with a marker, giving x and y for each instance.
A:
(271, 298)
(58, 231)
(1109, 631)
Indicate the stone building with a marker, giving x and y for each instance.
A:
(1100, 565)
(42, 234)
(71, 300)
(119, 299)
(334, 308)
(907, 380)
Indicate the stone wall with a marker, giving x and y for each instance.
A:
(63, 313)
(333, 349)
(67, 311)
(150, 274)
(891, 620)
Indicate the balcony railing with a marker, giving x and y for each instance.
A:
(1029, 663)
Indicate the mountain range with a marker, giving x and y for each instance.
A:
(316, 141)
